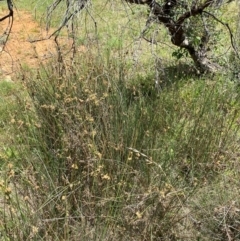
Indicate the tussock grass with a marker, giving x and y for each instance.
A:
(101, 156)
(100, 153)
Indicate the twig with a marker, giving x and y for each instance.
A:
(10, 16)
(50, 11)
(229, 30)
(67, 17)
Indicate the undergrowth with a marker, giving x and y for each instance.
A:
(98, 151)
(97, 155)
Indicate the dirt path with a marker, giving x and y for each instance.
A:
(18, 49)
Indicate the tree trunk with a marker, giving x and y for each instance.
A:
(176, 30)
(202, 63)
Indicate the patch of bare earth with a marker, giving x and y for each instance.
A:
(19, 50)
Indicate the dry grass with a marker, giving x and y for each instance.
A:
(105, 159)
(100, 153)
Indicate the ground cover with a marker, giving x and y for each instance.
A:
(92, 149)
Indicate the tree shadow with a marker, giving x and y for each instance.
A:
(152, 85)
(174, 73)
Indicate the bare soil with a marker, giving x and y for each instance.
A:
(19, 51)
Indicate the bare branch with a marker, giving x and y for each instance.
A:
(10, 8)
(50, 10)
(10, 16)
(229, 30)
(72, 9)
(194, 11)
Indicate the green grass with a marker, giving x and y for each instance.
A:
(98, 152)
(8, 106)
(101, 152)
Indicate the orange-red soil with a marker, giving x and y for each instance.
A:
(19, 51)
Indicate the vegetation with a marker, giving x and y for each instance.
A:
(190, 24)
(115, 144)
